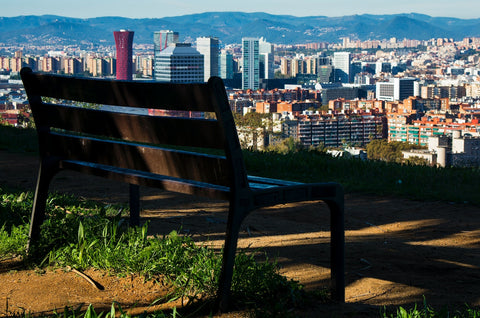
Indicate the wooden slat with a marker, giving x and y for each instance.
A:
(187, 132)
(167, 162)
(185, 97)
(150, 180)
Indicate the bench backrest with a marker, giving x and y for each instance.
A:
(173, 145)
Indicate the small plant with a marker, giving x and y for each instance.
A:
(429, 312)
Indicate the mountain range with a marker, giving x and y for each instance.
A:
(230, 27)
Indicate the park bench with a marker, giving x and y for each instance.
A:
(196, 155)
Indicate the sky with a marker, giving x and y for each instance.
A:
(465, 9)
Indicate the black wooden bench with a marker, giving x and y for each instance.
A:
(167, 152)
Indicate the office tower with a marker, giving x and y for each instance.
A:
(162, 39)
(325, 74)
(210, 48)
(123, 43)
(341, 62)
(266, 59)
(226, 65)
(397, 89)
(251, 63)
(179, 63)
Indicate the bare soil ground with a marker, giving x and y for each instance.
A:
(398, 251)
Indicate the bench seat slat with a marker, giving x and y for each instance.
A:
(169, 162)
(268, 182)
(149, 179)
(191, 132)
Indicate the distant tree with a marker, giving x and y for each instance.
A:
(251, 127)
(381, 149)
(287, 145)
(252, 120)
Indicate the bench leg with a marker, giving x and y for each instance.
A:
(337, 252)
(45, 174)
(225, 281)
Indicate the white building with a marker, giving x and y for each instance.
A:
(455, 150)
(341, 62)
(179, 63)
(210, 48)
(266, 59)
(397, 89)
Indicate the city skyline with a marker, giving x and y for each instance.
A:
(464, 9)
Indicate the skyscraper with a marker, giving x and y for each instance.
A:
(123, 43)
(251, 63)
(226, 65)
(179, 63)
(161, 40)
(210, 48)
(266, 59)
(341, 62)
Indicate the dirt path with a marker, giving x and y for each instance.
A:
(397, 251)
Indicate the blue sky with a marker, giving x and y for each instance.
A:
(465, 9)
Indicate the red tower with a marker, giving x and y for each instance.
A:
(123, 43)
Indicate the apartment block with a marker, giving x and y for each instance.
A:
(333, 132)
(407, 128)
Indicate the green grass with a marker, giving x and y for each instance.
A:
(375, 177)
(83, 234)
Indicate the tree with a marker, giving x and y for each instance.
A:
(287, 145)
(381, 149)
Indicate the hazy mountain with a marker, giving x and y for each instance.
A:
(230, 27)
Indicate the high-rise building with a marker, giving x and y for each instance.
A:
(251, 63)
(325, 74)
(341, 62)
(266, 59)
(179, 63)
(162, 39)
(124, 43)
(226, 65)
(210, 48)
